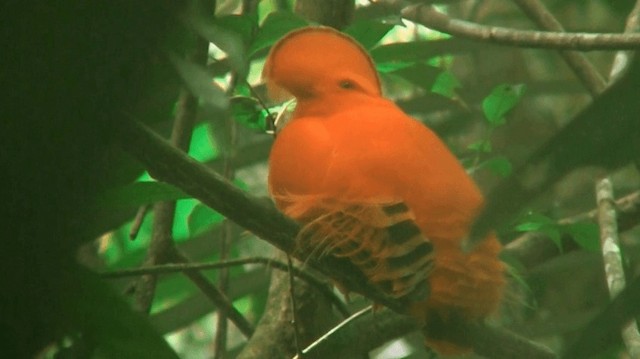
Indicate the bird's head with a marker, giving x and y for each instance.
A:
(316, 62)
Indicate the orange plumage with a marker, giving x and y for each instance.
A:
(372, 184)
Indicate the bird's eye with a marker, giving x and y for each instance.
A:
(346, 84)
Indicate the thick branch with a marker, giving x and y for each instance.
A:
(432, 18)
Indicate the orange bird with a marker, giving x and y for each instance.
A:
(369, 183)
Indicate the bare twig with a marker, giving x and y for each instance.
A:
(269, 262)
(294, 311)
(584, 70)
(218, 298)
(311, 350)
(159, 252)
(137, 221)
(432, 18)
(623, 58)
(613, 268)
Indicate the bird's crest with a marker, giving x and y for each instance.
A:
(308, 55)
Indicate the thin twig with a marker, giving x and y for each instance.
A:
(137, 221)
(623, 58)
(611, 254)
(218, 298)
(584, 70)
(335, 329)
(294, 308)
(272, 263)
(432, 18)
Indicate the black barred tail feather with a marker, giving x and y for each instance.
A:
(382, 240)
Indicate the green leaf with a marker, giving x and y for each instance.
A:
(200, 84)
(419, 74)
(231, 42)
(203, 146)
(554, 234)
(481, 146)
(140, 193)
(499, 165)
(243, 25)
(446, 84)
(368, 32)
(276, 25)
(515, 269)
(414, 51)
(202, 218)
(586, 234)
(389, 67)
(247, 111)
(501, 100)
(536, 222)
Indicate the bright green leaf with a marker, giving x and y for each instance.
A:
(203, 147)
(368, 32)
(586, 234)
(446, 84)
(499, 165)
(388, 67)
(200, 84)
(501, 100)
(276, 25)
(140, 193)
(247, 111)
(534, 222)
(202, 218)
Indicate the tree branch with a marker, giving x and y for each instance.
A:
(611, 254)
(584, 70)
(432, 18)
(623, 58)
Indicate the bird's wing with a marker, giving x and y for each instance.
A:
(381, 239)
